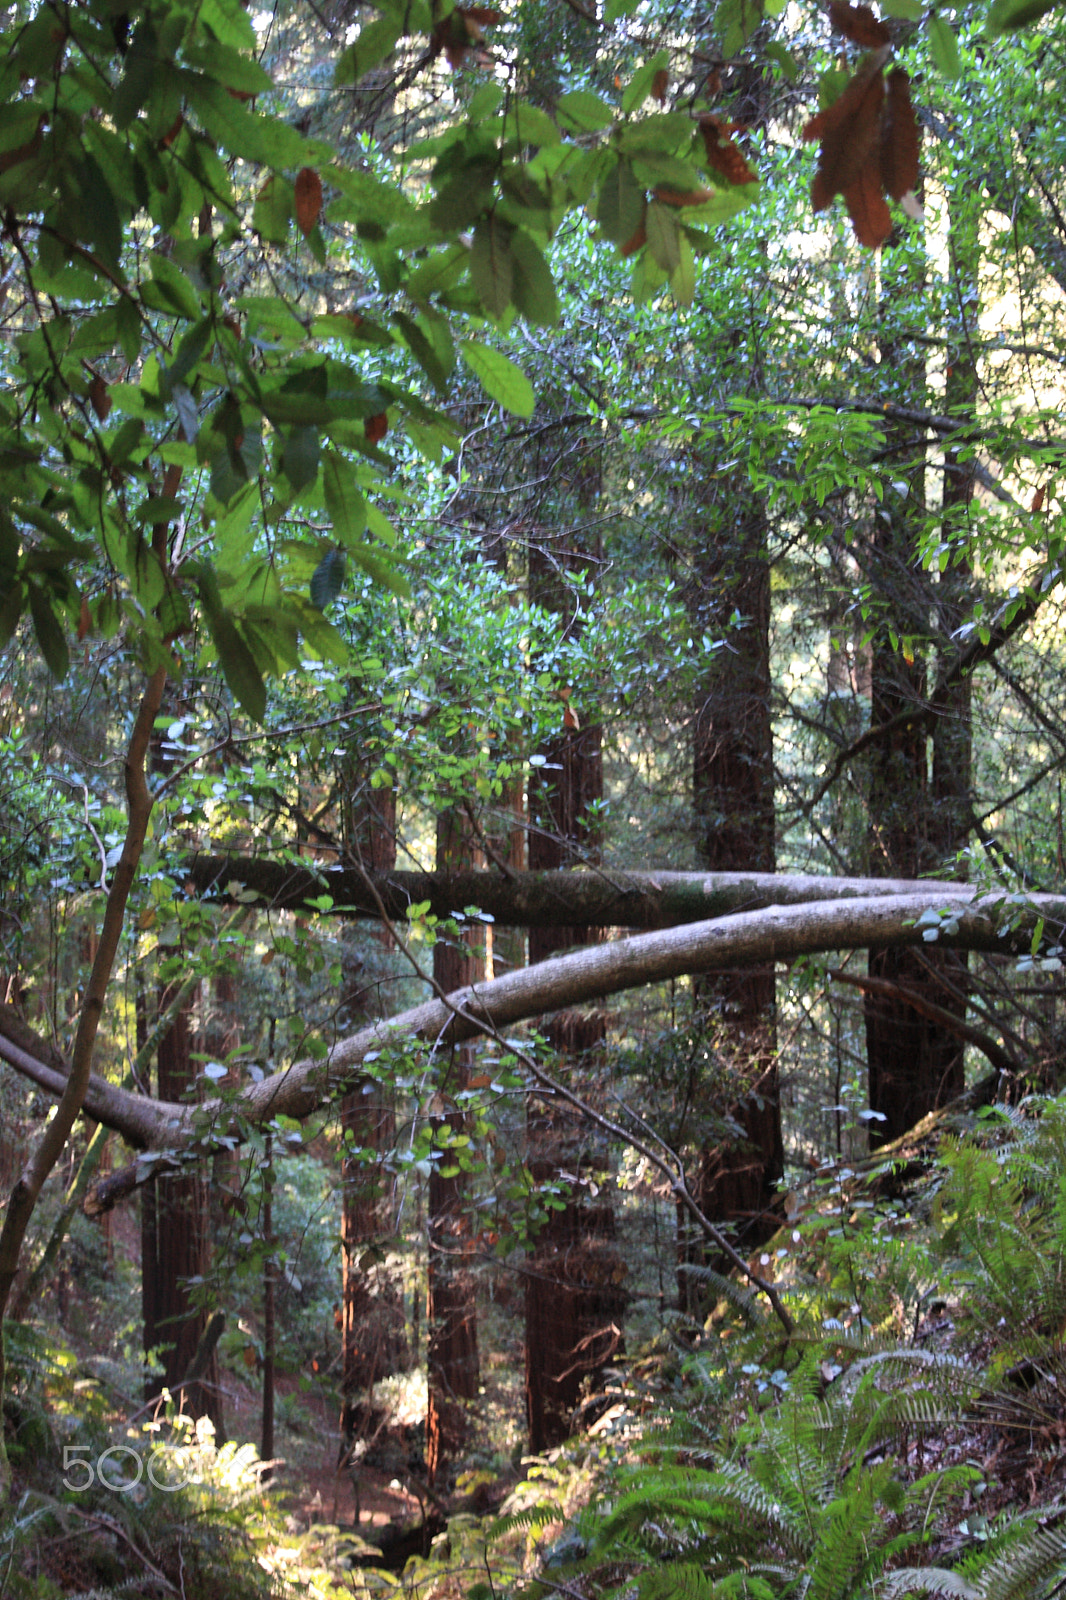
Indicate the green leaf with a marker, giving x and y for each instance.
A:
(491, 267)
(905, 10)
(530, 125)
(583, 112)
(250, 134)
(11, 608)
(49, 631)
(381, 570)
(787, 61)
(300, 458)
(273, 209)
(138, 75)
(944, 47)
(327, 580)
(173, 291)
(639, 86)
(238, 664)
(533, 288)
(664, 236)
(430, 342)
(375, 41)
(620, 206)
(499, 377)
(345, 505)
(1006, 15)
(128, 325)
(683, 278)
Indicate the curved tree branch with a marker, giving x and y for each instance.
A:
(780, 933)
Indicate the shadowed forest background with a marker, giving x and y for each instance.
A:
(531, 849)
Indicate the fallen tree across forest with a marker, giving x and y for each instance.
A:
(602, 897)
(961, 919)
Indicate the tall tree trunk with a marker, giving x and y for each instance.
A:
(574, 1296)
(372, 1321)
(175, 1249)
(733, 785)
(452, 1351)
(916, 817)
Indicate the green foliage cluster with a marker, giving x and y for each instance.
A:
(848, 1462)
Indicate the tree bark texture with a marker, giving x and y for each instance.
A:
(372, 1321)
(602, 897)
(452, 1361)
(733, 789)
(573, 1299)
(175, 1249)
(914, 1064)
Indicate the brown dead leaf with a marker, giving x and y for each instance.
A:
(723, 155)
(683, 197)
(99, 398)
(659, 85)
(850, 132)
(899, 137)
(868, 208)
(307, 201)
(858, 24)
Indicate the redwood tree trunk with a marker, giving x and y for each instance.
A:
(575, 1297)
(733, 783)
(175, 1250)
(452, 1352)
(372, 1321)
(916, 818)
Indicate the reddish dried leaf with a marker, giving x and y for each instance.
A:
(376, 428)
(461, 28)
(1036, 505)
(99, 398)
(570, 720)
(85, 620)
(168, 138)
(849, 137)
(638, 241)
(683, 197)
(899, 137)
(659, 85)
(243, 95)
(858, 24)
(723, 155)
(307, 199)
(868, 208)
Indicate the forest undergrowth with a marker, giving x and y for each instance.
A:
(906, 1439)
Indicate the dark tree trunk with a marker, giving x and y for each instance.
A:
(452, 1351)
(372, 1320)
(733, 784)
(918, 818)
(574, 1295)
(175, 1250)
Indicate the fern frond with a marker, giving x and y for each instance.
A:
(925, 1580)
(1029, 1562)
(528, 1517)
(739, 1298)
